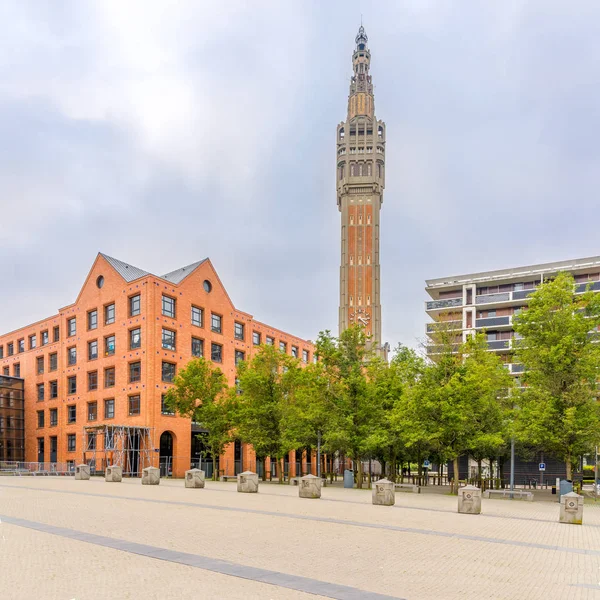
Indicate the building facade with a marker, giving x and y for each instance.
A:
(12, 423)
(95, 374)
(487, 302)
(360, 183)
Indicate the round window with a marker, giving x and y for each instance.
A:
(100, 281)
(207, 285)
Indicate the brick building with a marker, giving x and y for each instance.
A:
(95, 373)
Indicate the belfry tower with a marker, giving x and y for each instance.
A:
(360, 183)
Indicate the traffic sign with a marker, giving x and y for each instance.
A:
(542, 466)
(426, 464)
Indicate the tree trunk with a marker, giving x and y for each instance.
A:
(279, 470)
(479, 471)
(215, 474)
(359, 477)
(263, 460)
(569, 468)
(454, 488)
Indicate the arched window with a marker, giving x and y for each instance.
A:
(360, 219)
(380, 131)
(368, 219)
(351, 219)
(369, 171)
(341, 170)
(341, 133)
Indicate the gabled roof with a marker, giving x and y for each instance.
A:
(130, 273)
(179, 275)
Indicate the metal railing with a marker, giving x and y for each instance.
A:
(36, 468)
(435, 304)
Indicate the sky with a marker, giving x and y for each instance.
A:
(162, 133)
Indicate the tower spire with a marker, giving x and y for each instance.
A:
(360, 184)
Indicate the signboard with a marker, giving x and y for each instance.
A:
(542, 466)
(426, 464)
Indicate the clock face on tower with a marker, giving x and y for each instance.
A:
(361, 316)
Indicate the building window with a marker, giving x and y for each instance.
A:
(109, 377)
(134, 305)
(92, 381)
(109, 409)
(239, 357)
(216, 352)
(216, 323)
(197, 316)
(20, 346)
(168, 371)
(93, 350)
(256, 338)
(305, 356)
(295, 351)
(134, 405)
(135, 338)
(164, 409)
(40, 417)
(71, 327)
(92, 413)
(270, 341)
(238, 331)
(168, 339)
(282, 347)
(1, 351)
(72, 355)
(72, 413)
(91, 440)
(53, 358)
(135, 372)
(109, 345)
(40, 392)
(53, 417)
(93, 319)
(6, 371)
(168, 306)
(10, 349)
(71, 437)
(56, 333)
(45, 339)
(32, 342)
(109, 314)
(40, 365)
(17, 370)
(53, 389)
(197, 347)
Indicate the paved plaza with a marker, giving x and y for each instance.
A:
(67, 539)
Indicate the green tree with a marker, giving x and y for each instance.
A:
(559, 350)
(200, 393)
(266, 383)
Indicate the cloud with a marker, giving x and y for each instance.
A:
(164, 133)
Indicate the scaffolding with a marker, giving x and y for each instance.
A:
(126, 446)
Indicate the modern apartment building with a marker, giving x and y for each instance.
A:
(95, 374)
(464, 304)
(488, 301)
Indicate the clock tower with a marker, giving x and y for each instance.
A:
(360, 181)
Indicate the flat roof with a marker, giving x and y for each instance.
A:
(552, 267)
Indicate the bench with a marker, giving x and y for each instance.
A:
(506, 493)
(228, 478)
(408, 487)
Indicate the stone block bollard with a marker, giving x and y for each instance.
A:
(113, 473)
(247, 482)
(384, 493)
(469, 500)
(310, 487)
(194, 478)
(82, 472)
(571, 508)
(151, 476)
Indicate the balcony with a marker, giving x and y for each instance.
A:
(580, 288)
(433, 349)
(493, 321)
(522, 294)
(493, 298)
(449, 303)
(499, 344)
(443, 326)
(517, 368)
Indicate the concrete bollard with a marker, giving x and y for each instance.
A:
(571, 508)
(113, 473)
(82, 472)
(384, 493)
(247, 482)
(469, 500)
(151, 476)
(194, 478)
(310, 487)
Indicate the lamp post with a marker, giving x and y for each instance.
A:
(512, 467)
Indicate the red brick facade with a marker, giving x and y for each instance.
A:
(188, 289)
